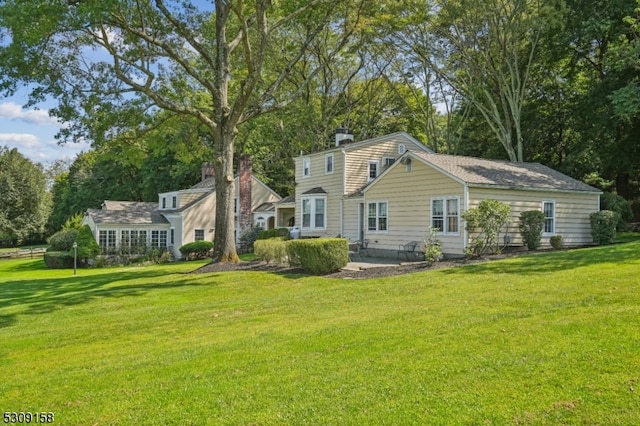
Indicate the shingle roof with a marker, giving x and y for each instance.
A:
(208, 183)
(265, 207)
(129, 205)
(288, 199)
(483, 172)
(316, 190)
(127, 217)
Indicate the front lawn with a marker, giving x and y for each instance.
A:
(550, 338)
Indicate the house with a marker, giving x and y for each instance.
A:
(180, 217)
(391, 190)
(328, 196)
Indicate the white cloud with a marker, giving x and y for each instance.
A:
(19, 140)
(13, 111)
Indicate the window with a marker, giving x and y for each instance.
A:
(260, 222)
(549, 211)
(306, 167)
(401, 149)
(158, 238)
(328, 163)
(445, 215)
(164, 203)
(377, 217)
(373, 169)
(107, 240)
(172, 236)
(198, 235)
(408, 164)
(387, 161)
(174, 202)
(314, 211)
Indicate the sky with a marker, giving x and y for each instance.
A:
(32, 131)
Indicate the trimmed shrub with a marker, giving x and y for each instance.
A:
(274, 233)
(58, 260)
(603, 226)
(531, 226)
(88, 248)
(556, 242)
(196, 250)
(488, 218)
(63, 240)
(248, 238)
(273, 250)
(318, 255)
(616, 203)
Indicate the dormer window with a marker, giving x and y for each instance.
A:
(174, 202)
(164, 203)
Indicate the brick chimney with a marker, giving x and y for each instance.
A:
(343, 136)
(207, 171)
(245, 213)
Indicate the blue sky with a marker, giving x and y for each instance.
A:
(32, 131)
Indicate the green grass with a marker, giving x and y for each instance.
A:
(549, 338)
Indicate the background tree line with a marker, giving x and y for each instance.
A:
(551, 82)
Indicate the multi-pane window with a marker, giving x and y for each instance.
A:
(306, 167)
(373, 169)
(445, 215)
(198, 235)
(164, 202)
(549, 211)
(174, 202)
(377, 217)
(172, 236)
(314, 211)
(387, 161)
(401, 149)
(107, 240)
(328, 163)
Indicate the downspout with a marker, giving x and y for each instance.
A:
(465, 232)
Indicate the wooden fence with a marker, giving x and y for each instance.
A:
(23, 253)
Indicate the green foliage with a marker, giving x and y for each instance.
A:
(24, 200)
(273, 233)
(63, 240)
(603, 226)
(432, 247)
(531, 226)
(74, 222)
(196, 250)
(556, 242)
(88, 248)
(272, 250)
(249, 237)
(58, 260)
(318, 255)
(616, 203)
(487, 219)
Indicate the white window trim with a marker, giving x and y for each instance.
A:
(204, 234)
(306, 161)
(163, 203)
(553, 231)
(312, 221)
(174, 201)
(326, 163)
(445, 213)
(377, 203)
(369, 163)
(401, 149)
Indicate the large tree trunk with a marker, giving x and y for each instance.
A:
(224, 245)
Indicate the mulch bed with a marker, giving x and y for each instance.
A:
(376, 272)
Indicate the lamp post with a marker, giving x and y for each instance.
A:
(75, 258)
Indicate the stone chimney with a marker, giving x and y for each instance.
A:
(245, 212)
(207, 171)
(343, 136)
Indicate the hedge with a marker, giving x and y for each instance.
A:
(318, 256)
(531, 226)
(271, 250)
(58, 260)
(274, 233)
(603, 226)
(63, 240)
(196, 250)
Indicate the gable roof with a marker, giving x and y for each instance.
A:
(480, 172)
(128, 205)
(400, 137)
(128, 217)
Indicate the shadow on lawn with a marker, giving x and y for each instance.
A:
(543, 263)
(39, 296)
